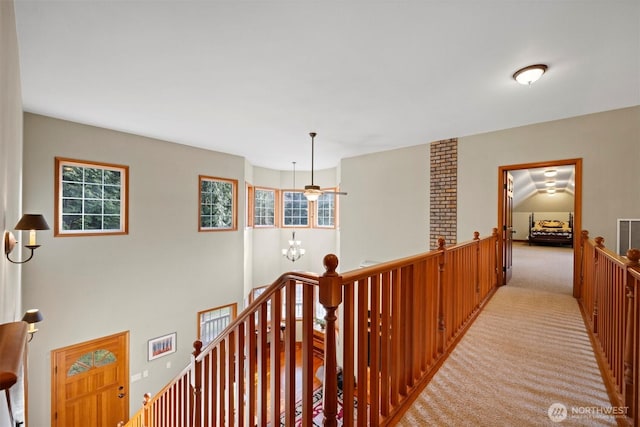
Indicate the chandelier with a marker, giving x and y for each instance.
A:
(294, 251)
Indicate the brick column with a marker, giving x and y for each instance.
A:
(444, 192)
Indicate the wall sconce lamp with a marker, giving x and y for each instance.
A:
(32, 317)
(31, 222)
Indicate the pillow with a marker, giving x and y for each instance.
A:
(548, 223)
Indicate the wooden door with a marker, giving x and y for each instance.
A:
(507, 229)
(90, 383)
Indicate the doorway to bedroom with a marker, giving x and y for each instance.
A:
(540, 218)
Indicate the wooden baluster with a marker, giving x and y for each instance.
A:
(476, 237)
(441, 322)
(496, 255)
(633, 255)
(196, 385)
(330, 296)
(146, 422)
(599, 244)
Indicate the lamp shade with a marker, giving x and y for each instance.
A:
(32, 222)
(312, 192)
(32, 316)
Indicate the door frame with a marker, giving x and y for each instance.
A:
(577, 214)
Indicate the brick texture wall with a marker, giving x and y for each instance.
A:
(444, 191)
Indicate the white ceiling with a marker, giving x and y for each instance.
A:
(528, 182)
(254, 77)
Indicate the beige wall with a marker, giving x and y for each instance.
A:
(155, 279)
(386, 214)
(151, 281)
(10, 158)
(608, 143)
(10, 177)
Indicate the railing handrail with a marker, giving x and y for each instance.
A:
(610, 303)
(299, 277)
(226, 380)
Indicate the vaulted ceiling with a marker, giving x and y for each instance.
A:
(548, 180)
(253, 78)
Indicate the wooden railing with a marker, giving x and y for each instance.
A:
(397, 323)
(610, 303)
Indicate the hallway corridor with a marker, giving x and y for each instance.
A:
(527, 359)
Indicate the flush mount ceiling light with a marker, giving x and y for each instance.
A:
(551, 172)
(527, 75)
(550, 183)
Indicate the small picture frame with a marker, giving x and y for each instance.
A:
(161, 346)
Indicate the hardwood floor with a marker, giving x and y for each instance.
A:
(317, 362)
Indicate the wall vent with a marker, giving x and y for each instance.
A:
(628, 235)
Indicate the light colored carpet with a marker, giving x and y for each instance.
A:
(527, 350)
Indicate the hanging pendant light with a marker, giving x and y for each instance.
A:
(295, 251)
(312, 192)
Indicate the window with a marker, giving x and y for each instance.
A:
(213, 321)
(94, 359)
(326, 210)
(91, 198)
(295, 209)
(264, 207)
(218, 198)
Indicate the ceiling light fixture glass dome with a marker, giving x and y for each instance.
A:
(527, 75)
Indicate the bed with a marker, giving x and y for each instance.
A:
(551, 231)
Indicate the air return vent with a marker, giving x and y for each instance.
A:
(628, 235)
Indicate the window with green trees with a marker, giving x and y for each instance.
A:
(218, 200)
(91, 198)
(264, 207)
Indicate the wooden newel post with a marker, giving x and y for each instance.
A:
(196, 385)
(330, 295)
(633, 255)
(585, 236)
(146, 421)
